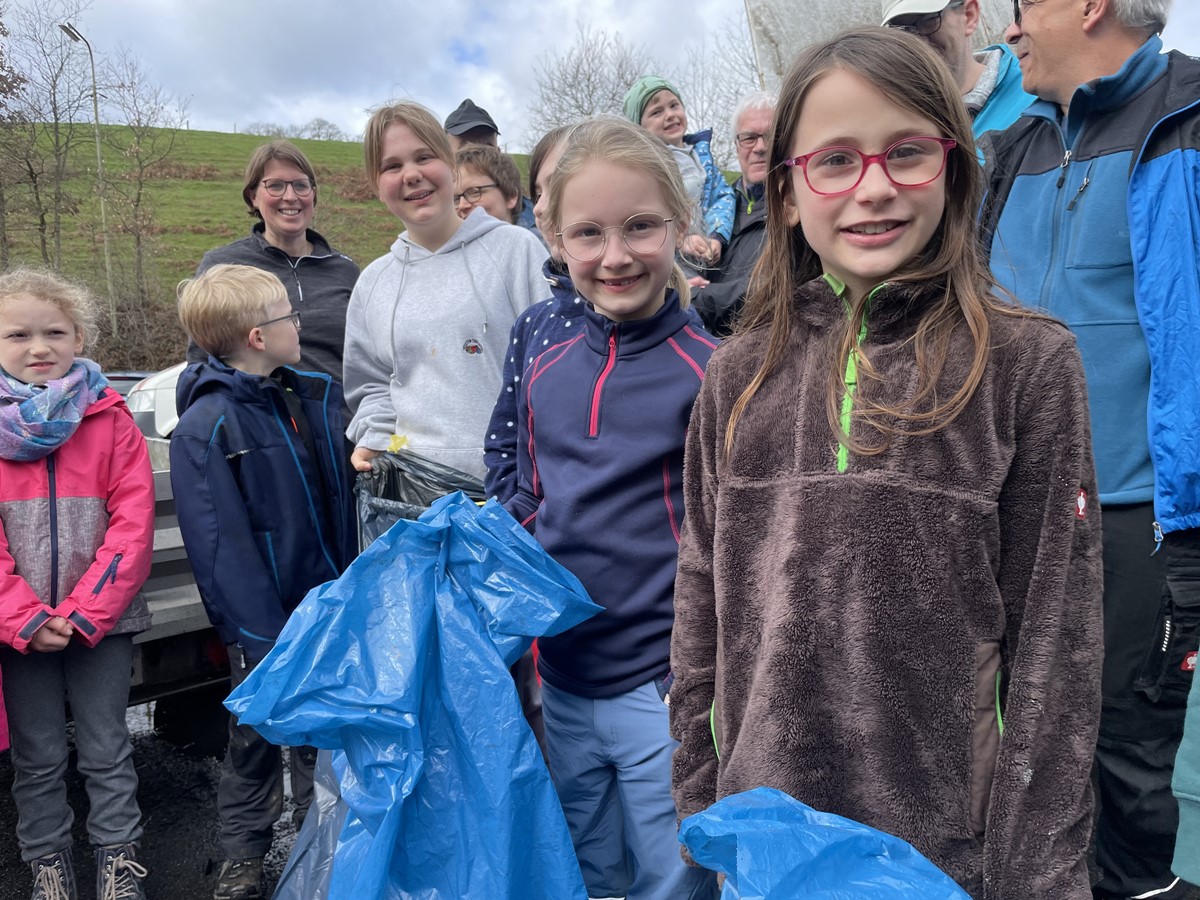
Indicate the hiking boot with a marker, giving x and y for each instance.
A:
(240, 879)
(118, 873)
(53, 877)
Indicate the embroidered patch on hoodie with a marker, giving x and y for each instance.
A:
(472, 346)
(1189, 662)
(1081, 505)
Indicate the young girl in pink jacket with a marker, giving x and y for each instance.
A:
(76, 537)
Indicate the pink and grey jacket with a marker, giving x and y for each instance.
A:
(601, 420)
(77, 531)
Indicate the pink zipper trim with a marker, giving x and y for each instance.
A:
(594, 416)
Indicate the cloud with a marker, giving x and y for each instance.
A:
(289, 61)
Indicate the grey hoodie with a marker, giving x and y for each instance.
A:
(426, 337)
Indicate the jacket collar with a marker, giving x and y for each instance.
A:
(319, 244)
(892, 310)
(1145, 66)
(638, 335)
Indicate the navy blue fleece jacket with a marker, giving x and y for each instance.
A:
(601, 420)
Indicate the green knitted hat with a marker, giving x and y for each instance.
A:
(641, 92)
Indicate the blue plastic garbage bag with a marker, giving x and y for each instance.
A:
(773, 847)
(402, 665)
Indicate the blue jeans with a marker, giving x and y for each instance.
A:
(611, 764)
(96, 682)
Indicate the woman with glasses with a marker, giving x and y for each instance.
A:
(280, 190)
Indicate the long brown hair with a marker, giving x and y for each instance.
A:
(909, 74)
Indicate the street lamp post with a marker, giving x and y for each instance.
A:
(74, 34)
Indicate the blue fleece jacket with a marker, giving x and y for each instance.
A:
(601, 422)
(262, 490)
(1074, 258)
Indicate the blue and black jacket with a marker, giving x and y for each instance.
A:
(1062, 191)
(601, 422)
(262, 491)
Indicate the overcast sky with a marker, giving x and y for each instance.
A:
(289, 61)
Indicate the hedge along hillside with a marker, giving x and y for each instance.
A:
(195, 198)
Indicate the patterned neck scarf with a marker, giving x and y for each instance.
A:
(35, 421)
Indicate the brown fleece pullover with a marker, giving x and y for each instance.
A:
(844, 629)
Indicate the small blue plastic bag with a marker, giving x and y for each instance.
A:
(402, 666)
(770, 846)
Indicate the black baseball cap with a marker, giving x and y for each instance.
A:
(468, 116)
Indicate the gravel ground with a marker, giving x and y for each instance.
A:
(177, 793)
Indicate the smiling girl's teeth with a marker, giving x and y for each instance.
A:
(872, 228)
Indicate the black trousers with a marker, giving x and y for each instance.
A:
(1151, 625)
(250, 792)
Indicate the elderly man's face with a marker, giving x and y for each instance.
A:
(752, 156)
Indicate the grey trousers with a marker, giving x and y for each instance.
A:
(250, 792)
(36, 688)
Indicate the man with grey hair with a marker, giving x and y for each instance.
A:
(990, 80)
(1093, 214)
(719, 300)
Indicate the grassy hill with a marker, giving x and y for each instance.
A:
(196, 197)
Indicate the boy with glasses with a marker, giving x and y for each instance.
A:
(262, 491)
(990, 80)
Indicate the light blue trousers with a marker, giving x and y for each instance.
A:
(611, 764)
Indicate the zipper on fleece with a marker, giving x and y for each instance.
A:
(110, 574)
(843, 452)
(53, 491)
(598, 387)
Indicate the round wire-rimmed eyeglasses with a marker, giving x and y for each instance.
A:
(642, 233)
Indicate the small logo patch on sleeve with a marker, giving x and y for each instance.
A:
(1189, 663)
(1081, 505)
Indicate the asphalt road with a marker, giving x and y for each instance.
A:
(177, 793)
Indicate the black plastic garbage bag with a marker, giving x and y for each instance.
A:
(401, 667)
(403, 485)
(770, 846)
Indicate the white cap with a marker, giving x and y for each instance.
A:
(894, 8)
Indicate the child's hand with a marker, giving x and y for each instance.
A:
(361, 458)
(698, 281)
(714, 251)
(53, 636)
(696, 246)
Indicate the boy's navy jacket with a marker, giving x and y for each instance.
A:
(601, 420)
(265, 514)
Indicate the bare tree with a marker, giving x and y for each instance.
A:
(55, 95)
(590, 78)
(150, 122)
(320, 129)
(10, 86)
(265, 129)
(779, 34)
(717, 74)
(55, 90)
